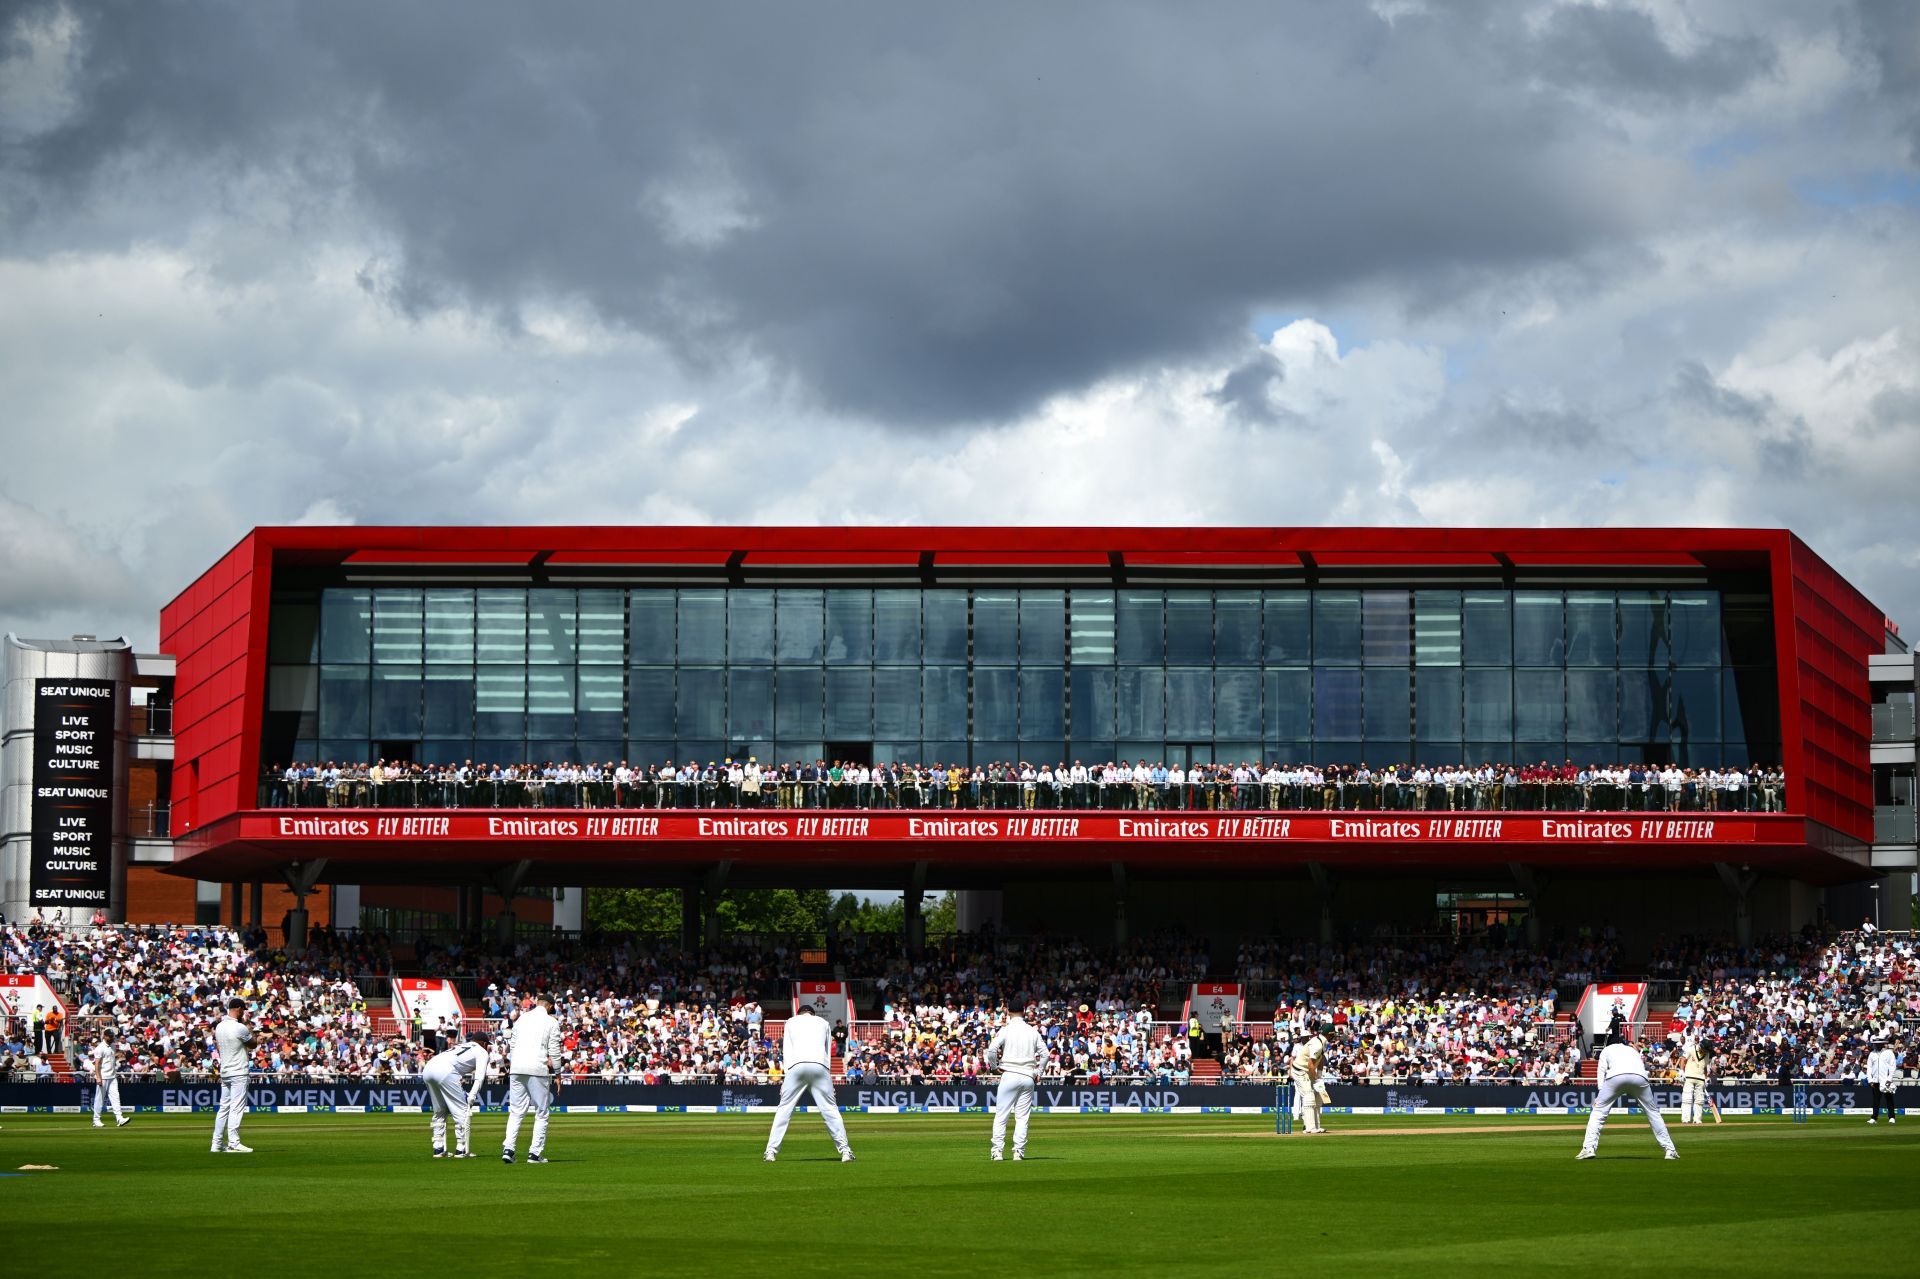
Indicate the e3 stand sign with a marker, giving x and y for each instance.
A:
(73, 780)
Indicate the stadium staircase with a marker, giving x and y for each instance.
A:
(62, 1066)
(1206, 1070)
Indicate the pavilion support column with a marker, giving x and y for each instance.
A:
(1324, 887)
(1739, 883)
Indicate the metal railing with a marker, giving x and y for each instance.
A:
(149, 821)
(429, 792)
(1893, 722)
(148, 719)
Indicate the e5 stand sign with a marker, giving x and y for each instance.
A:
(73, 779)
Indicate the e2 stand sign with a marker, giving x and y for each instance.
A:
(73, 781)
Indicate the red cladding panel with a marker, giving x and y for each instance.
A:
(1825, 703)
(216, 636)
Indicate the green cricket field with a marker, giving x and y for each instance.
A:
(336, 1195)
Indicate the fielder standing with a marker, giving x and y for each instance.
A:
(1309, 1059)
(1881, 1065)
(1018, 1051)
(532, 1061)
(803, 1062)
(454, 1079)
(232, 1039)
(1623, 1075)
(103, 1063)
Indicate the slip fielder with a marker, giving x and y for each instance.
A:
(804, 1058)
(1623, 1077)
(454, 1079)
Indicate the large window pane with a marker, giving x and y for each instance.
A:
(1643, 706)
(849, 711)
(943, 703)
(1336, 629)
(1093, 703)
(1043, 627)
(749, 628)
(1591, 703)
(1236, 628)
(896, 702)
(1189, 627)
(396, 702)
(651, 626)
(1236, 701)
(1539, 629)
(1486, 628)
(602, 702)
(799, 626)
(1539, 706)
(1336, 700)
(1436, 628)
(701, 699)
(501, 628)
(1751, 709)
(1141, 620)
(293, 633)
(1389, 711)
(1696, 703)
(1139, 705)
(1289, 628)
(550, 628)
(849, 639)
(1289, 705)
(1437, 705)
(1092, 620)
(995, 708)
(798, 713)
(996, 627)
(1386, 628)
(750, 700)
(450, 626)
(1042, 703)
(1590, 626)
(1189, 700)
(1489, 705)
(343, 701)
(1695, 621)
(346, 625)
(499, 701)
(603, 630)
(650, 701)
(550, 701)
(703, 625)
(1643, 629)
(896, 629)
(944, 615)
(397, 614)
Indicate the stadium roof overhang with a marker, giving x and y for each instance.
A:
(984, 849)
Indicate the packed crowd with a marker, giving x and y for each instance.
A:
(1117, 785)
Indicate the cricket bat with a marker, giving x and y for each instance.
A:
(1714, 1106)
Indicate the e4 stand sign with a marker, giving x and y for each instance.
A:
(73, 799)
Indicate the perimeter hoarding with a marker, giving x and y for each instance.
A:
(73, 793)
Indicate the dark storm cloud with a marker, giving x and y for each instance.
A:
(926, 215)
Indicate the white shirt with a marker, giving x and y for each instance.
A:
(106, 1061)
(536, 1043)
(1880, 1065)
(1017, 1049)
(807, 1041)
(1307, 1055)
(466, 1061)
(1621, 1059)
(230, 1040)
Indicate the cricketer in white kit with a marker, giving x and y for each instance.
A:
(532, 1061)
(805, 1057)
(231, 1041)
(1019, 1052)
(103, 1063)
(454, 1079)
(1623, 1076)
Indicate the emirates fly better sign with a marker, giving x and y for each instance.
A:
(73, 772)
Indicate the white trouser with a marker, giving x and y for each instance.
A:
(1015, 1097)
(524, 1093)
(1612, 1093)
(107, 1095)
(449, 1098)
(1308, 1098)
(1693, 1101)
(233, 1106)
(807, 1077)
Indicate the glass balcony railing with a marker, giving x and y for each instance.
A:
(152, 720)
(1893, 722)
(148, 821)
(1894, 824)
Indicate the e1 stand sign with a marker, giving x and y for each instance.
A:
(73, 778)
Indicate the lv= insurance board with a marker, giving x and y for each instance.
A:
(73, 780)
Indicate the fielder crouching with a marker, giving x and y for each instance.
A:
(1623, 1077)
(454, 1079)
(805, 1046)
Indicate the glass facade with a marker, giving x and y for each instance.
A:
(504, 674)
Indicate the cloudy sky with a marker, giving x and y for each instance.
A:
(1633, 262)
